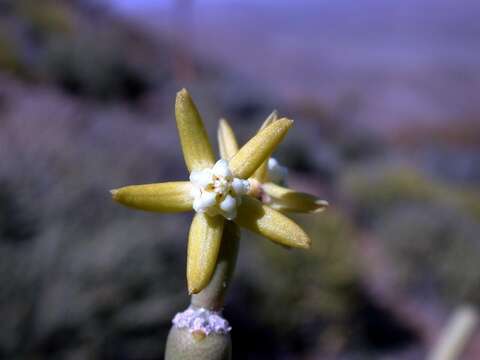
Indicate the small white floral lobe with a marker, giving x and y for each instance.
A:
(216, 191)
(276, 172)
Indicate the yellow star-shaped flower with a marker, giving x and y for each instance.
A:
(217, 191)
(264, 182)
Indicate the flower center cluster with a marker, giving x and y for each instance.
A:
(216, 191)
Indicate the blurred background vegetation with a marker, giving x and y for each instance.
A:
(387, 130)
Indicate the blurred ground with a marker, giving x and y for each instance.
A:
(387, 129)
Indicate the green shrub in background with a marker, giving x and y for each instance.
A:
(434, 249)
(428, 228)
(85, 66)
(313, 286)
(45, 19)
(24, 27)
(83, 55)
(372, 190)
(10, 57)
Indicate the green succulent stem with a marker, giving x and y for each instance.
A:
(182, 344)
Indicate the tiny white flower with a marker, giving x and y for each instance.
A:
(215, 190)
(221, 185)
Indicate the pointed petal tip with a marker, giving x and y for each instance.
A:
(308, 244)
(182, 92)
(195, 288)
(322, 205)
(290, 121)
(192, 291)
(270, 119)
(114, 193)
(183, 96)
(222, 124)
(305, 244)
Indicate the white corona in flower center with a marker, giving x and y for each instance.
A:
(215, 190)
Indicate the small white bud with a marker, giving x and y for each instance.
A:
(228, 204)
(276, 172)
(240, 187)
(208, 199)
(221, 169)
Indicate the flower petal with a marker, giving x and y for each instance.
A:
(204, 242)
(227, 141)
(163, 197)
(270, 118)
(285, 199)
(196, 147)
(212, 297)
(258, 149)
(261, 219)
(261, 174)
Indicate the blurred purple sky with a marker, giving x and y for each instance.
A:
(404, 61)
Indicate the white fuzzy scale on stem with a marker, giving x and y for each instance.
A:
(201, 320)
